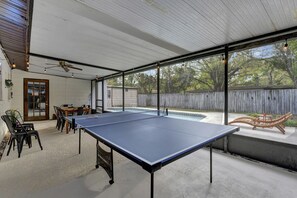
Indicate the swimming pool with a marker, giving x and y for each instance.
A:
(185, 115)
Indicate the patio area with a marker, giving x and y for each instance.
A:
(206, 62)
(58, 171)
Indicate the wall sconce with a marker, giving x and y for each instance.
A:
(8, 83)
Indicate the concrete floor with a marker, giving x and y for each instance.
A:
(58, 171)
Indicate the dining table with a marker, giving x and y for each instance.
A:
(69, 111)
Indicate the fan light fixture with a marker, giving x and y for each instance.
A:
(63, 64)
(72, 75)
(28, 64)
(285, 46)
(13, 65)
(45, 70)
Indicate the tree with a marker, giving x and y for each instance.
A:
(285, 60)
(263, 66)
(256, 69)
(114, 82)
(177, 78)
(166, 81)
(210, 72)
(145, 82)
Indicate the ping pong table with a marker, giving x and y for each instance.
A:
(151, 141)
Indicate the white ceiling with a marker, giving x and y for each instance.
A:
(124, 34)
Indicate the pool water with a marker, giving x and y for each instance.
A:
(193, 116)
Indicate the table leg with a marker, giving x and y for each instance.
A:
(66, 122)
(112, 171)
(97, 153)
(105, 160)
(210, 150)
(152, 185)
(79, 141)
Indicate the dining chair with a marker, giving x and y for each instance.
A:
(62, 119)
(19, 134)
(17, 121)
(16, 116)
(80, 111)
(58, 124)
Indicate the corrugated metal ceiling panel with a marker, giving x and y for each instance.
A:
(88, 41)
(123, 34)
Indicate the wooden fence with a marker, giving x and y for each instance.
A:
(276, 101)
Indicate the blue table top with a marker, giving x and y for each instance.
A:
(153, 139)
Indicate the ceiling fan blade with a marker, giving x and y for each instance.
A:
(65, 68)
(35, 65)
(50, 64)
(42, 66)
(72, 67)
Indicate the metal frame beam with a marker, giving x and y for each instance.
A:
(74, 62)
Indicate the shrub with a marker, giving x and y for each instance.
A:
(291, 123)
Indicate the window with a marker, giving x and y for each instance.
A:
(114, 94)
(262, 85)
(140, 89)
(194, 89)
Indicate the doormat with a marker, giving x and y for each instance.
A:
(3, 145)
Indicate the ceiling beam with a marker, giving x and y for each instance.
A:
(102, 18)
(74, 62)
(42, 73)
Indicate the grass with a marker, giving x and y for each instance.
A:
(291, 123)
(253, 115)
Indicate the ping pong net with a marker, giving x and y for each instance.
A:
(116, 118)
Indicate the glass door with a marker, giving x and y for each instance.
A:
(36, 99)
(99, 96)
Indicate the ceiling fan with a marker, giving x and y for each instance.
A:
(66, 66)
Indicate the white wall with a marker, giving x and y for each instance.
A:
(5, 102)
(61, 90)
